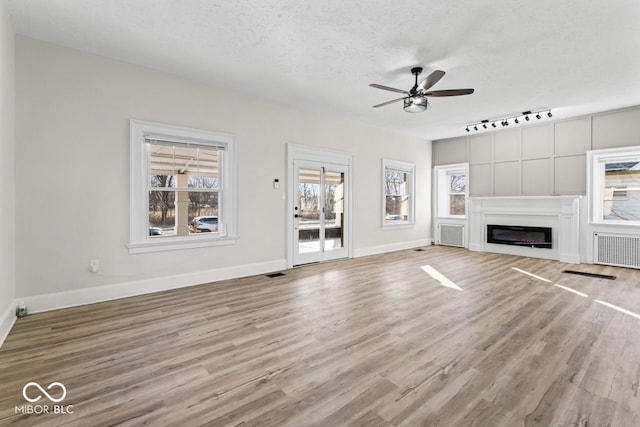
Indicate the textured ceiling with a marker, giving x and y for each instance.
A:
(574, 56)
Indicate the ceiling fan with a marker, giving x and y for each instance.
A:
(415, 100)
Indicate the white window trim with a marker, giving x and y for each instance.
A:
(403, 167)
(139, 241)
(442, 171)
(595, 184)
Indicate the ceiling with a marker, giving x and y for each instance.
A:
(573, 56)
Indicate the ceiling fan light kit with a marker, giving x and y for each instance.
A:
(505, 122)
(415, 104)
(415, 100)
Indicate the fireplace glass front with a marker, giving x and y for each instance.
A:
(533, 237)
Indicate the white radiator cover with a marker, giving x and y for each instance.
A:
(451, 235)
(616, 249)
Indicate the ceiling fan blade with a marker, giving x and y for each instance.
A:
(430, 80)
(389, 102)
(391, 89)
(449, 92)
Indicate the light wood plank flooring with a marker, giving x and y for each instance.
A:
(373, 341)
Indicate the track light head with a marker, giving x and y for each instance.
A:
(493, 124)
(484, 125)
(549, 114)
(526, 118)
(467, 129)
(538, 116)
(516, 121)
(475, 128)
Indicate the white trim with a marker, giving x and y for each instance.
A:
(184, 243)
(440, 198)
(296, 152)
(57, 300)
(401, 166)
(139, 240)
(392, 247)
(561, 213)
(7, 320)
(595, 184)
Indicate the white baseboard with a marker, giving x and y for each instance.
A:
(476, 247)
(54, 301)
(374, 250)
(570, 258)
(7, 319)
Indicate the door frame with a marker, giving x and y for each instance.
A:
(322, 155)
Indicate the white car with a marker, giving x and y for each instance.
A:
(204, 224)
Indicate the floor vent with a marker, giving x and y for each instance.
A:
(451, 235)
(594, 275)
(616, 249)
(278, 274)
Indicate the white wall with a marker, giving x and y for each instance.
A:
(72, 167)
(7, 175)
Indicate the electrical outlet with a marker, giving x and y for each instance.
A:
(94, 265)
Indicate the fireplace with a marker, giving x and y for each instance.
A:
(533, 237)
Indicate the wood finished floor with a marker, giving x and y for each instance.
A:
(373, 341)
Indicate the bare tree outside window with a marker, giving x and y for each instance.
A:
(457, 193)
(396, 195)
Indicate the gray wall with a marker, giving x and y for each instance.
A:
(548, 158)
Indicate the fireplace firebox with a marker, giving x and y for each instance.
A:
(533, 237)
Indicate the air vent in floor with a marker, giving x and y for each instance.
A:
(278, 274)
(594, 275)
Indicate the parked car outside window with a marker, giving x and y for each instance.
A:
(204, 224)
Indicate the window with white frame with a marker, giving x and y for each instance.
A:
(398, 193)
(451, 190)
(182, 188)
(614, 185)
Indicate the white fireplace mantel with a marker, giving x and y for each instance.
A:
(561, 213)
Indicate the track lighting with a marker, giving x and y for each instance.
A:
(505, 121)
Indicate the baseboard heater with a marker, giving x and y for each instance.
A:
(451, 235)
(616, 249)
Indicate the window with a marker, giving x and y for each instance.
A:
(451, 188)
(614, 182)
(182, 188)
(397, 193)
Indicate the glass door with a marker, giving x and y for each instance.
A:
(319, 212)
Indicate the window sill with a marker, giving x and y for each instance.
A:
(616, 224)
(177, 244)
(398, 226)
